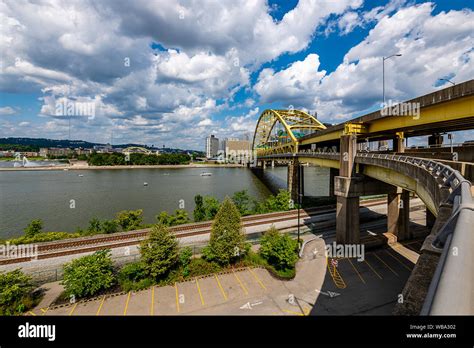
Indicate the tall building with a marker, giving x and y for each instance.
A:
(237, 151)
(212, 146)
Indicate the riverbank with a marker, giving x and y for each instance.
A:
(159, 166)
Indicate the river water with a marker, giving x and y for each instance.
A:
(65, 201)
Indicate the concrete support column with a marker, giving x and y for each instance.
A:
(264, 164)
(333, 172)
(435, 139)
(293, 179)
(273, 163)
(398, 143)
(398, 215)
(347, 220)
(347, 207)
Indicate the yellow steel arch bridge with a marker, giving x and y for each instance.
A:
(279, 131)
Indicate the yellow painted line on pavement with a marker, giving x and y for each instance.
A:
(220, 286)
(240, 283)
(257, 279)
(100, 306)
(399, 261)
(32, 313)
(293, 312)
(373, 270)
(73, 308)
(126, 303)
(336, 276)
(44, 310)
(355, 269)
(177, 297)
(390, 268)
(152, 309)
(199, 290)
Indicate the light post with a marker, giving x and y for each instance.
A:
(451, 82)
(299, 201)
(383, 74)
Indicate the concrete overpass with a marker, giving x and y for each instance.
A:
(445, 192)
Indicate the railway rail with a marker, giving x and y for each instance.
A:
(122, 239)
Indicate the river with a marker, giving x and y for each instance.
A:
(65, 201)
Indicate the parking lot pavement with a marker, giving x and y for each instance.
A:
(322, 286)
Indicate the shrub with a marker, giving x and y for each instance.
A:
(88, 275)
(279, 249)
(159, 253)
(130, 219)
(133, 277)
(198, 267)
(180, 217)
(185, 256)
(94, 226)
(43, 237)
(199, 213)
(34, 227)
(109, 226)
(15, 292)
(227, 242)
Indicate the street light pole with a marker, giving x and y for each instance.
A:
(451, 82)
(299, 202)
(383, 74)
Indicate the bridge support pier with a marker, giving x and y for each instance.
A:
(435, 139)
(398, 214)
(398, 143)
(347, 207)
(293, 178)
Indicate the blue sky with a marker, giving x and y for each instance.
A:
(163, 72)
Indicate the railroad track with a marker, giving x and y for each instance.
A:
(122, 239)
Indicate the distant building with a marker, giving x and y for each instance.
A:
(54, 151)
(212, 146)
(237, 151)
(103, 148)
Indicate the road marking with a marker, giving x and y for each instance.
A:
(32, 313)
(373, 270)
(220, 286)
(390, 268)
(257, 279)
(44, 310)
(305, 312)
(335, 275)
(100, 307)
(199, 290)
(152, 309)
(177, 297)
(355, 269)
(73, 308)
(126, 303)
(399, 261)
(240, 282)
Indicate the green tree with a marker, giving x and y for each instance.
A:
(211, 207)
(279, 249)
(88, 275)
(164, 218)
(243, 201)
(180, 217)
(34, 227)
(94, 226)
(130, 219)
(159, 253)
(15, 292)
(109, 226)
(227, 242)
(199, 213)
